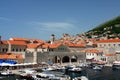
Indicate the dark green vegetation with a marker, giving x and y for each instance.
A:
(111, 29)
(113, 24)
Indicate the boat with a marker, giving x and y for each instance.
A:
(60, 77)
(81, 78)
(6, 73)
(75, 69)
(44, 75)
(50, 76)
(116, 65)
(27, 74)
(49, 69)
(97, 68)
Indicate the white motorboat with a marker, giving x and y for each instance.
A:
(81, 78)
(27, 73)
(75, 69)
(50, 76)
(49, 69)
(44, 75)
(7, 73)
(97, 68)
(116, 65)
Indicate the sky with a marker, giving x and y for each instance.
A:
(40, 18)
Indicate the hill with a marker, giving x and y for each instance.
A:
(109, 29)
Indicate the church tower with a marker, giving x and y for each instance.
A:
(52, 39)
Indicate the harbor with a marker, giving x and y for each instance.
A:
(105, 74)
(59, 40)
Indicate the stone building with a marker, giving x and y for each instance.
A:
(93, 54)
(111, 49)
(37, 51)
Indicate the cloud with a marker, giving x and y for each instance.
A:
(45, 29)
(5, 19)
(55, 26)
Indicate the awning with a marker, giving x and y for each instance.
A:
(6, 64)
(1, 60)
(10, 62)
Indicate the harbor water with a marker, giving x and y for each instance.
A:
(105, 74)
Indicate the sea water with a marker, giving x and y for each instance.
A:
(105, 74)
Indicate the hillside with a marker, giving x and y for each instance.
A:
(109, 29)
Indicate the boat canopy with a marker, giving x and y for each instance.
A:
(7, 61)
(10, 62)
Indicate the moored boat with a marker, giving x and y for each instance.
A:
(116, 65)
(27, 74)
(81, 78)
(97, 68)
(75, 69)
(6, 73)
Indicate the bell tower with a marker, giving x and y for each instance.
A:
(52, 38)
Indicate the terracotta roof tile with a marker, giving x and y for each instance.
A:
(26, 39)
(53, 45)
(109, 40)
(76, 45)
(108, 54)
(93, 51)
(50, 45)
(22, 43)
(11, 56)
(4, 42)
(32, 45)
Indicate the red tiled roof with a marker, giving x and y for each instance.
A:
(109, 40)
(108, 54)
(33, 45)
(50, 45)
(76, 45)
(19, 39)
(22, 43)
(93, 51)
(53, 45)
(26, 39)
(10, 56)
(4, 42)
(44, 46)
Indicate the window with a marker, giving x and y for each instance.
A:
(104, 45)
(50, 49)
(13, 49)
(3, 50)
(100, 45)
(6, 49)
(16, 50)
(97, 54)
(114, 45)
(20, 50)
(119, 45)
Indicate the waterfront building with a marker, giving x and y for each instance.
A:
(111, 48)
(109, 58)
(37, 51)
(93, 54)
(112, 45)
